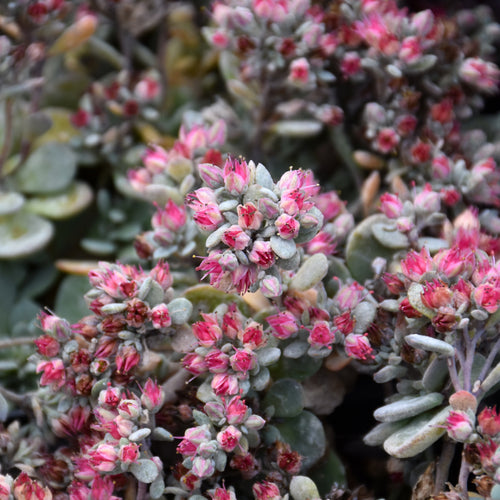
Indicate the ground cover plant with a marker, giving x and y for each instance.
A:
(249, 250)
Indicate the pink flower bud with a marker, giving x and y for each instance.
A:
(236, 175)
(194, 363)
(416, 264)
(266, 491)
(236, 411)
(489, 421)
(262, 254)
(271, 287)
(249, 217)
(155, 160)
(254, 422)
(211, 175)
(288, 227)
(47, 346)
(243, 360)
(487, 296)
(410, 51)
(110, 397)
(459, 425)
(284, 324)
(203, 467)
(217, 361)
(207, 332)
(224, 384)
(152, 396)
(299, 72)
(387, 139)
(479, 73)
(391, 205)
(234, 237)
(54, 373)
(160, 316)
(103, 457)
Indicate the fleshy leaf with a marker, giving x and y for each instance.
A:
(389, 236)
(22, 234)
(144, 470)
(10, 203)
(418, 435)
(286, 396)
(305, 434)
(303, 488)
(312, 271)
(180, 310)
(408, 407)
(62, 205)
(50, 168)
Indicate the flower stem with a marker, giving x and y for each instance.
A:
(443, 466)
(463, 477)
(4, 344)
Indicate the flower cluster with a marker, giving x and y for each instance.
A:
(255, 224)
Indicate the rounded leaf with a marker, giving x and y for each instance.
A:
(388, 236)
(305, 434)
(144, 470)
(312, 271)
(62, 205)
(284, 249)
(303, 488)
(10, 203)
(430, 344)
(287, 398)
(48, 169)
(22, 234)
(180, 310)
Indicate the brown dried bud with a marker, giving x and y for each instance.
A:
(463, 401)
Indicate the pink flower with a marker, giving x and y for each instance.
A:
(441, 167)
(410, 51)
(110, 397)
(172, 217)
(220, 39)
(391, 205)
(321, 335)
(358, 346)
(249, 217)
(288, 227)
(155, 159)
(420, 152)
(459, 425)
(129, 408)
(224, 384)
(152, 396)
(262, 254)
(405, 124)
(234, 237)
(243, 360)
(455, 261)
(194, 363)
(275, 10)
(416, 264)
(489, 421)
(229, 438)
(129, 453)
(323, 242)
(26, 488)
(147, 89)
(436, 294)
(127, 359)
(284, 324)
(217, 361)
(350, 296)
(160, 316)
(253, 336)
(103, 457)
(54, 373)
(266, 491)
(161, 274)
(479, 73)
(351, 64)
(236, 411)
(211, 175)
(236, 175)
(487, 295)
(206, 211)
(207, 332)
(387, 139)
(344, 322)
(243, 277)
(299, 72)
(47, 346)
(222, 494)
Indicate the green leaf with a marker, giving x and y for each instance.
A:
(144, 470)
(50, 168)
(312, 271)
(284, 249)
(408, 407)
(418, 435)
(22, 234)
(303, 488)
(415, 298)
(305, 434)
(157, 488)
(69, 302)
(180, 310)
(286, 397)
(10, 203)
(62, 205)
(4, 409)
(299, 369)
(388, 236)
(329, 472)
(362, 248)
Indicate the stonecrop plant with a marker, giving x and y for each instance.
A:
(249, 250)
